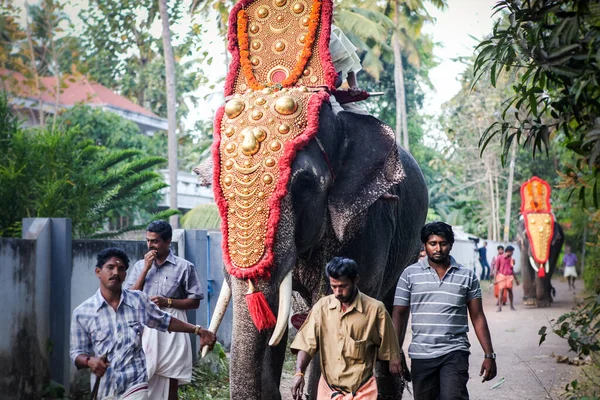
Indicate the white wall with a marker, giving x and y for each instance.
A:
(464, 253)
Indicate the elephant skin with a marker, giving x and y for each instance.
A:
(536, 290)
(382, 236)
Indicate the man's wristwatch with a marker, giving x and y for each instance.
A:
(197, 329)
(490, 355)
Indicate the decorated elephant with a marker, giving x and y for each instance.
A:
(537, 290)
(297, 184)
(333, 207)
(540, 238)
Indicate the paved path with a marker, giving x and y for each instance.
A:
(515, 338)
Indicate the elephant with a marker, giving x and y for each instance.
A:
(536, 290)
(333, 207)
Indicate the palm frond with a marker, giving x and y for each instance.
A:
(116, 157)
(164, 215)
(203, 216)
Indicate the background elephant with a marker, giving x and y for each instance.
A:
(331, 209)
(536, 291)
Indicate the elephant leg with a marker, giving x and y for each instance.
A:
(388, 386)
(273, 364)
(528, 275)
(543, 292)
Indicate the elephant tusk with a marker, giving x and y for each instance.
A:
(285, 307)
(547, 265)
(220, 308)
(532, 262)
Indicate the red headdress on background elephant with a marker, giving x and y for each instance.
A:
(540, 239)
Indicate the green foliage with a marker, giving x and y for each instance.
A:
(553, 49)
(122, 54)
(54, 390)
(203, 216)
(62, 173)
(109, 129)
(210, 377)
(580, 329)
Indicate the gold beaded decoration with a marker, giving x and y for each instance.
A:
(250, 152)
(540, 232)
(277, 30)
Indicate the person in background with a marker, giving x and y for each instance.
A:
(494, 274)
(506, 276)
(569, 264)
(485, 267)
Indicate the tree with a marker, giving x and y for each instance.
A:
(409, 17)
(171, 108)
(552, 47)
(50, 172)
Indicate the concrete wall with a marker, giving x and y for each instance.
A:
(24, 313)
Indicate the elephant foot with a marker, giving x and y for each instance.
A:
(530, 302)
(544, 303)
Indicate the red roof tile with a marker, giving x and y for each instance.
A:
(76, 91)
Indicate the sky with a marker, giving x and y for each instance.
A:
(451, 30)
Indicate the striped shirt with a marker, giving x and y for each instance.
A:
(176, 278)
(97, 329)
(438, 307)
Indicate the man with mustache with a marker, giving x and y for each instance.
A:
(438, 292)
(172, 284)
(350, 331)
(106, 331)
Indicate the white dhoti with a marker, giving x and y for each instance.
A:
(570, 271)
(138, 392)
(168, 356)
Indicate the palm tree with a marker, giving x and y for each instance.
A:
(409, 17)
(371, 27)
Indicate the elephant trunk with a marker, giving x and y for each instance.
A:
(255, 369)
(220, 308)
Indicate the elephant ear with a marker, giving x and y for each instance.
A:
(369, 165)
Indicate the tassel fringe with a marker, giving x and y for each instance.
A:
(261, 313)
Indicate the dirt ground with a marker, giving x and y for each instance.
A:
(520, 359)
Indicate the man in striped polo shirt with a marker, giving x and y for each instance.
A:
(438, 291)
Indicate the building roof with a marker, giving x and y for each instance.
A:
(74, 90)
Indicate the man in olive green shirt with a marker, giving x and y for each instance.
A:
(350, 330)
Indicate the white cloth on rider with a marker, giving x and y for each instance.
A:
(168, 356)
(354, 106)
(343, 53)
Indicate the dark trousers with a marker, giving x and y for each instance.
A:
(485, 270)
(441, 378)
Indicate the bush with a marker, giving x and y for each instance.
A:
(210, 377)
(63, 174)
(580, 328)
